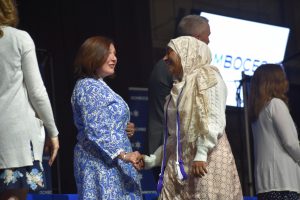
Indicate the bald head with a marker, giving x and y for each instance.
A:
(194, 25)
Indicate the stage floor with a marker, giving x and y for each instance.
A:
(75, 197)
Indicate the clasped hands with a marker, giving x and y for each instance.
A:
(135, 158)
(199, 168)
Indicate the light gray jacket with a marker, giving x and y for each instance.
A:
(276, 150)
(24, 102)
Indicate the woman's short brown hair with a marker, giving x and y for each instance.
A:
(91, 55)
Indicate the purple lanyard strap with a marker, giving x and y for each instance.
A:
(180, 165)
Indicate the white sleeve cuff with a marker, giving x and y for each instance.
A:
(201, 154)
(202, 149)
(154, 159)
(118, 153)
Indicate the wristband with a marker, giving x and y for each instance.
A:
(124, 156)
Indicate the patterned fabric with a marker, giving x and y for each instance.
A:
(29, 177)
(194, 55)
(203, 102)
(220, 183)
(101, 116)
(202, 124)
(276, 195)
(198, 76)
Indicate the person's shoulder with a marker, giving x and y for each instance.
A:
(159, 66)
(21, 34)
(87, 82)
(19, 37)
(160, 71)
(277, 105)
(91, 84)
(277, 102)
(160, 63)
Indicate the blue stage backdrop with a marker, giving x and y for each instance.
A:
(138, 104)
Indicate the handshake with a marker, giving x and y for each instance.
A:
(141, 161)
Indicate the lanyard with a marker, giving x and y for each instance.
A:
(179, 163)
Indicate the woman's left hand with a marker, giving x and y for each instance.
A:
(199, 168)
(130, 129)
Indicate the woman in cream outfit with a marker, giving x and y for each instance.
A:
(197, 162)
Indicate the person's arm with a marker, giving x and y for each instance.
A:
(155, 159)
(36, 90)
(285, 127)
(216, 99)
(38, 96)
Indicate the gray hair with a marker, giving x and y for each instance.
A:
(192, 25)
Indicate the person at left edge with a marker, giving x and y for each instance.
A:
(25, 110)
(104, 165)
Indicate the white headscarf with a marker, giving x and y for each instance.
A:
(198, 76)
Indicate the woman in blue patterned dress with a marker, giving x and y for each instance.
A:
(104, 165)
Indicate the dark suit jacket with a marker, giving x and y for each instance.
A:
(160, 84)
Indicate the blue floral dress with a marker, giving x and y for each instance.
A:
(101, 117)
